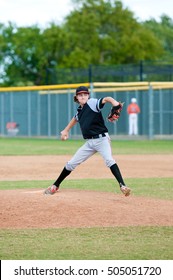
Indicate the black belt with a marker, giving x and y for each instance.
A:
(97, 136)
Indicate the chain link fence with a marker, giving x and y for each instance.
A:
(142, 71)
(45, 111)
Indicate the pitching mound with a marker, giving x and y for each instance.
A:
(74, 208)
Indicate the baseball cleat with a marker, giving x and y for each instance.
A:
(51, 190)
(125, 190)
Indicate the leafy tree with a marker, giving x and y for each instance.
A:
(163, 31)
(19, 54)
(96, 32)
(29, 53)
(107, 33)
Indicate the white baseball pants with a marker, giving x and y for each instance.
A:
(92, 146)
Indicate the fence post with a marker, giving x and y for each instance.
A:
(90, 73)
(69, 100)
(38, 115)
(2, 114)
(11, 107)
(92, 90)
(29, 113)
(57, 127)
(150, 92)
(141, 70)
(49, 114)
(161, 111)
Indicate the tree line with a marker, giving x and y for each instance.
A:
(96, 32)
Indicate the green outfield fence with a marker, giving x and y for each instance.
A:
(43, 111)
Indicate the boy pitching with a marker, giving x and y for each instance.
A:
(95, 132)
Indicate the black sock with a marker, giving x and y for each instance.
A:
(116, 172)
(61, 177)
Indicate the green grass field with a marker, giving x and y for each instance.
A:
(24, 146)
(118, 243)
(111, 243)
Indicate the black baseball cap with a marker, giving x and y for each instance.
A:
(82, 89)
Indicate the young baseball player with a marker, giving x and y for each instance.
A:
(133, 110)
(95, 132)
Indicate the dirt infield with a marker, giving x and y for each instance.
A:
(14, 168)
(74, 208)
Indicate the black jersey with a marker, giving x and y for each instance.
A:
(90, 118)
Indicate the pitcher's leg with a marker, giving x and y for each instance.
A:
(103, 147)
(117, 174)
(82, 154)
(106, 151)
(61, 177)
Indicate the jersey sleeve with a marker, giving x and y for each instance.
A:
(75, 117)
(95, 104)
(100, 104)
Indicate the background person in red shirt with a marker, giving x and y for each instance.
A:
(133, 110)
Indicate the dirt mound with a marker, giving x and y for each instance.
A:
(75, 208)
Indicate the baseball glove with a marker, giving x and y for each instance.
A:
(115, 112)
